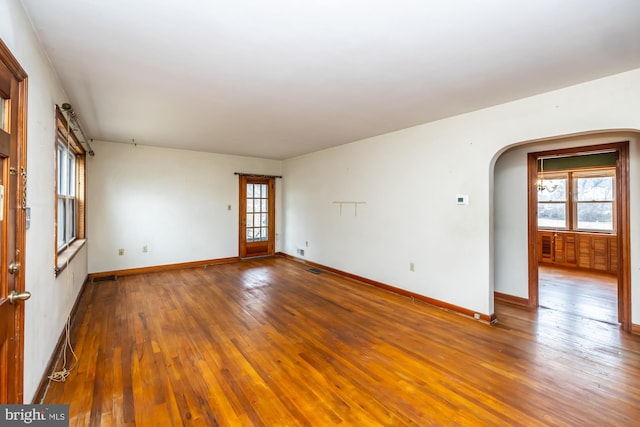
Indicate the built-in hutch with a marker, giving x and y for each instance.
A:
(582, 250)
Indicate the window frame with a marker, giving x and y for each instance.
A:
(566, 201)
(262, 201)
(594, 173)
(67, 144)
(66, 191)
(571, 200)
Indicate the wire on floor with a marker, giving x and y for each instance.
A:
(61, 375)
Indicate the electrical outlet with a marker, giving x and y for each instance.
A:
(412, 267)
(145, 248)
(121, 251)
(476, 316)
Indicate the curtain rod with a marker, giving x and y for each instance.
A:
(73, 118)
(257, 175)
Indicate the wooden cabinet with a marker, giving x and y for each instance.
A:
(600, 253)
(545, 247)
(613, 255)
(582, 250)
(564, 249)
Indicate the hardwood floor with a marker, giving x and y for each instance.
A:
(587, 294)
(265, 342)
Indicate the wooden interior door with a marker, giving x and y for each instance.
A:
(12, 225)
(257, 216)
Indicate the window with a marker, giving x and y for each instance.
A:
(581, 200)
(257, 212)
(552, 202)
(3, 112)
(67, 204)
(70, 192)
(594, 197)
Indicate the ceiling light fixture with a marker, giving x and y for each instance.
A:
(541, 185)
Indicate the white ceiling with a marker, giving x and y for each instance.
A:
(280, 78)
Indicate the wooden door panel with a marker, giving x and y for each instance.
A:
(559, 249)
(570, 250)
(600, 253)
(584, 252)
(12, 228)
(613, 255)
(546, 247)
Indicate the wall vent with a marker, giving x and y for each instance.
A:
(105, 278)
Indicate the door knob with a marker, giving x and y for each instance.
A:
(14, 267)
(22, 296)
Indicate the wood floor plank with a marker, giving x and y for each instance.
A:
(586, 293)
(265, 342)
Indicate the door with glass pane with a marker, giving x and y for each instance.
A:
(257, 216)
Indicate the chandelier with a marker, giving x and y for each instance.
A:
(541, 184)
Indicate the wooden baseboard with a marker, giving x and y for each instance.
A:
(635, 329)
(154, 269)
(44, 382)
(511, 299)
(489, 318)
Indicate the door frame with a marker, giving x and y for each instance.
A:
(16, 347)
(270, 243)
(622, 222)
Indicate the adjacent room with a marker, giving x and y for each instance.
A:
(318, 213)
(577, 235)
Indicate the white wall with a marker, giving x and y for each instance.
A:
(173, 201)
(410, 180)
(52, 299)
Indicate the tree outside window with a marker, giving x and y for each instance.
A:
(594, 202)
